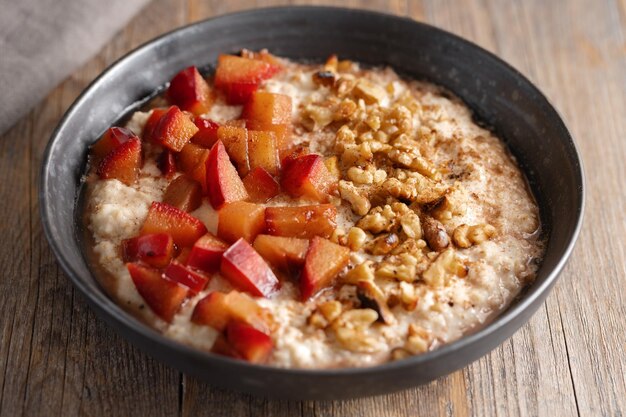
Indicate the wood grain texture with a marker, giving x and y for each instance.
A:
(57, 358)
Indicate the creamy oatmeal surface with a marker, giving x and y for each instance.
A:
(442, 229)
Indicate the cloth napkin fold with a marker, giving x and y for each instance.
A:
(44, 41)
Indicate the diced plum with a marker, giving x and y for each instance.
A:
(110, 140)
(224, 184)
(245, 269)
(152, 122)
(186, 276)
(307, 176)
(268, 108)
(192, 160)
(284, 253)
(122, 163)
(235, 140)
(183, 193)
(189, 91)
(261, 186)
(207, 132)
(263, 56)
(166, 162)
(239, 77)
(163, 218)
(251, 344)
(292, 155)
(222, 347)
(324, 260)
(183, 255)
(190, 156)
(283, 135)
(238, 93)
(301, 221)
(271, 112)
(162, 295)
(174, 129)
(153, 249)
(235, 123)
(263, 151)
(206, 253)
(217, 309)
(240, 219)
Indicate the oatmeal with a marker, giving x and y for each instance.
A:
(309, 216)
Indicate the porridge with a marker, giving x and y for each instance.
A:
(309, 216)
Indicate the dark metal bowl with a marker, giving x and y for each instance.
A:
(499, 95)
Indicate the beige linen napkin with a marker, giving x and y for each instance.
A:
(43, 41)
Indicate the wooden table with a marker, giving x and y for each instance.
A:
(56, 358)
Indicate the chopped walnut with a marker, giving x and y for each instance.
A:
(321, 116)
(402, 267)
(408, 296)
(411, 225)
(353, 154)
(371, 93)
(355, 196)
(372, 297)
(418, 339)
(465, 236)
(356, 238)
(383, 244)
(330, 310)
(360, 176)
(361, 272)
(481, 232)
(441, 271)
(351, 329)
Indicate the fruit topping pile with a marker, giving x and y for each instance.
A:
(238, 166)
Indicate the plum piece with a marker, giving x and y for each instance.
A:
(261, 186)
(240, 219)
(284, 253)
(239, 77)
(183, 193)
(224, 184)
(207, 132)
(324, 260)
(189, 91)
(271, 112)
(301, 221)
(174, 129)
(163, 218)
(307, 176)
(251, 344)
(206, 253)
(268, 109)
(122, 163)
(166, 162)
(217, 309)
(245, 269)
(192, 160)
(235, 140)
(154, 249)
(162, 295)
(110, 140)
(152, 122)
(263, 151)
(186, 276)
